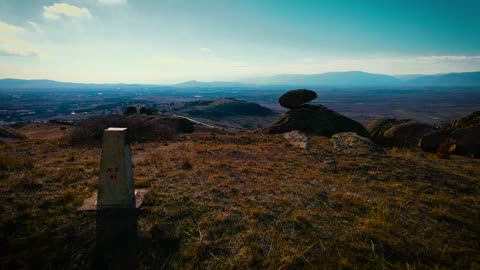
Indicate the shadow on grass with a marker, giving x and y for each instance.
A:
(118, 245)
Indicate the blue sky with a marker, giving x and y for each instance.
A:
(167, 41)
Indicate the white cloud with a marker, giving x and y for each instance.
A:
(205, 50)
(35, 26)
(448, 57)
(12, 46)
(171, 62)
(56, 10)
(50, 16)
(109, 2)
(8, 28)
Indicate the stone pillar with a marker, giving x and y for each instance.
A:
(115, 187)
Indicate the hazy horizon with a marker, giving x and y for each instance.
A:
(241, 80)
(165, 42)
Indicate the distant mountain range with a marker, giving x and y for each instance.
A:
(349, 78)
(451, 79)
(190, 84)
(359, 78)
(49, 84)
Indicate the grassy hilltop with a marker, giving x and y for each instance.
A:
(245, 201)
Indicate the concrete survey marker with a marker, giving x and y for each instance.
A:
(115, 186)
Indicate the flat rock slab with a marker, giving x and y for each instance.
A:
(90, 204)
(298, 139)
(352, 144)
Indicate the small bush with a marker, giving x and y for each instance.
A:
(444, 125)
(90, 131)
(187, 163)
(147, 111)
(130, 110)
(445, 149)
(8, 163)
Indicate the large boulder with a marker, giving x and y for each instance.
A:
(399, 133)
(407, 134)
(463, 137)
(351, 143)
(431, 141)
(295, 98)
(315, 120)
(378, 127)
(468, 121)
(467, 141)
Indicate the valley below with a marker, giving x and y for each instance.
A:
(430, 105)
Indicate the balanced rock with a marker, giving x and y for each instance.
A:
(351, 143)
(315, 120)
(295, 98)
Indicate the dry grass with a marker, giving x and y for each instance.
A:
(250, 201)
(42, 131)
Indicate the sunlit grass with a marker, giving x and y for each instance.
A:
(249, 201)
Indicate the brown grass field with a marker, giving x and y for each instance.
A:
(247, 201)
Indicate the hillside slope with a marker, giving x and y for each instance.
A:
(227, 113)
(244, 201)
(465, 79)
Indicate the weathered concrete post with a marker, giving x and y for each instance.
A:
(116, 224)
(115, 187)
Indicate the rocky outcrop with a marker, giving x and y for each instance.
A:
(407, 134)
(298, 139)
(378, 127)
(295, 98)
(351, 143)
(311, 119)
(463, 138)
(431, 141)
(469, 121)
(465, 141)
(315, 120)
(398, 133)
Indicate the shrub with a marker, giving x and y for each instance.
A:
(147, 111)
(444, 125)
(8, 163)
(90, 131)
(445, 149)
(130, 110)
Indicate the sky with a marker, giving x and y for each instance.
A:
(170, 41)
